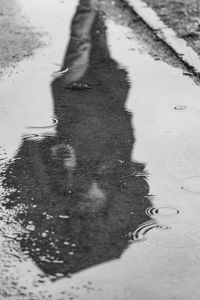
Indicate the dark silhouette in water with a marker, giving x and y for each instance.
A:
(82, 192)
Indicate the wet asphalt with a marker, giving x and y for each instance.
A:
(99, 162)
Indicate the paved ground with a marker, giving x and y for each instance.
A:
(181, 15)
(99, 159)
(18, 40)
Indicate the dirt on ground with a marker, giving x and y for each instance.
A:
(181, 15)
(18, 39)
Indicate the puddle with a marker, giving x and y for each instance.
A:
(81, 186)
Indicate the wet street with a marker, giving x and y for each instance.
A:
(99, 160)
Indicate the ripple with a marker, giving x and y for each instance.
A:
(162, 211)
(54, 123)
(192, 185)
(140, 233)
(38, 137)
(30, 136)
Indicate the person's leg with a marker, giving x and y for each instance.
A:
(78, 51)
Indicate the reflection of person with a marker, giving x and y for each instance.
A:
(82, 192)
(78, 54)
(93, 121)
